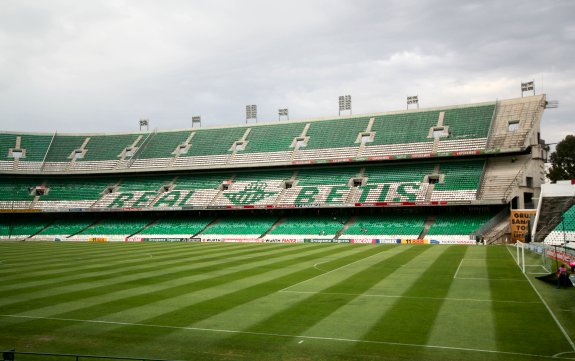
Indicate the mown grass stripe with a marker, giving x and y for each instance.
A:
(121, 333)
(513, 332)
(154, 277)
(250, 269)
(106, 271)
(80, 265)
(158, 281)
(306, 313)
(63, 250)
(209, 308)
(268, 335)
(414, 318)
(118, 305)
(455, 319)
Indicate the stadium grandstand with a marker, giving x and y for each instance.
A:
(442, 175)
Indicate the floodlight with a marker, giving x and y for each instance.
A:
(251, 112)
(344, 103)
(413, 99)
(197, 119)
(527, 86)
(283, 112)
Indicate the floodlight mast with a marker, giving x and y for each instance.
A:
(251, 112)
(197, 119)
(413, 99)
(144, 123)
(527, 86)
(283, 113)
(344, 103)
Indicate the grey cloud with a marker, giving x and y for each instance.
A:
(102, 65)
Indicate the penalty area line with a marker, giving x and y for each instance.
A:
(412, 297)
(265, 334)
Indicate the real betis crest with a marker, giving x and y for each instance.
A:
(252, 193)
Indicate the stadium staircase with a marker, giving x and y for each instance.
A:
(429, 221)
(213, 222)
(499, 174)
(139, 149)
(41, 230)
(497, 229)
(90, 225)
(144, 228)
(498, 234)
(347, 224)
(277, 223)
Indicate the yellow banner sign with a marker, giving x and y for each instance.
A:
(520, 219)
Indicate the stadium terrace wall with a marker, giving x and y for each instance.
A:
(458, 131)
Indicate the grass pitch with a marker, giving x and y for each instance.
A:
(277, 301)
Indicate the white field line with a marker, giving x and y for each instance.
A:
(300, 337)
(548, 308)
(333, 270)
(562, 353)
(537, 273)
(410, 297)
(458, 267)
(475, 278)
(490, 279)
(317, 268)
(480, 278)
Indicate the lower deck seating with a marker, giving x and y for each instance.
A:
(389, 225)
(315, 226)
(22, 228)
(179, 225)
(65, 227)
(117, 226)
(455, 224)
(240, 226)
(565, 230)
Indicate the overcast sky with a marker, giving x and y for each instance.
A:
(101, 65)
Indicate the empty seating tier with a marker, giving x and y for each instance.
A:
(118, 226)
(469, 122)
(63, 146)
(214, 141)
(335, 133)
(163, 144)
(273, 138)
(387, 225)
(393, 135)
(412, 127)
(240, 226)
(107, 147)
(565, 230)
(65, 227)
(179, 225)
(315, 226)
(457, 225)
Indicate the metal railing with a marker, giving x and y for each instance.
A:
(12, 355)
(515, 183)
